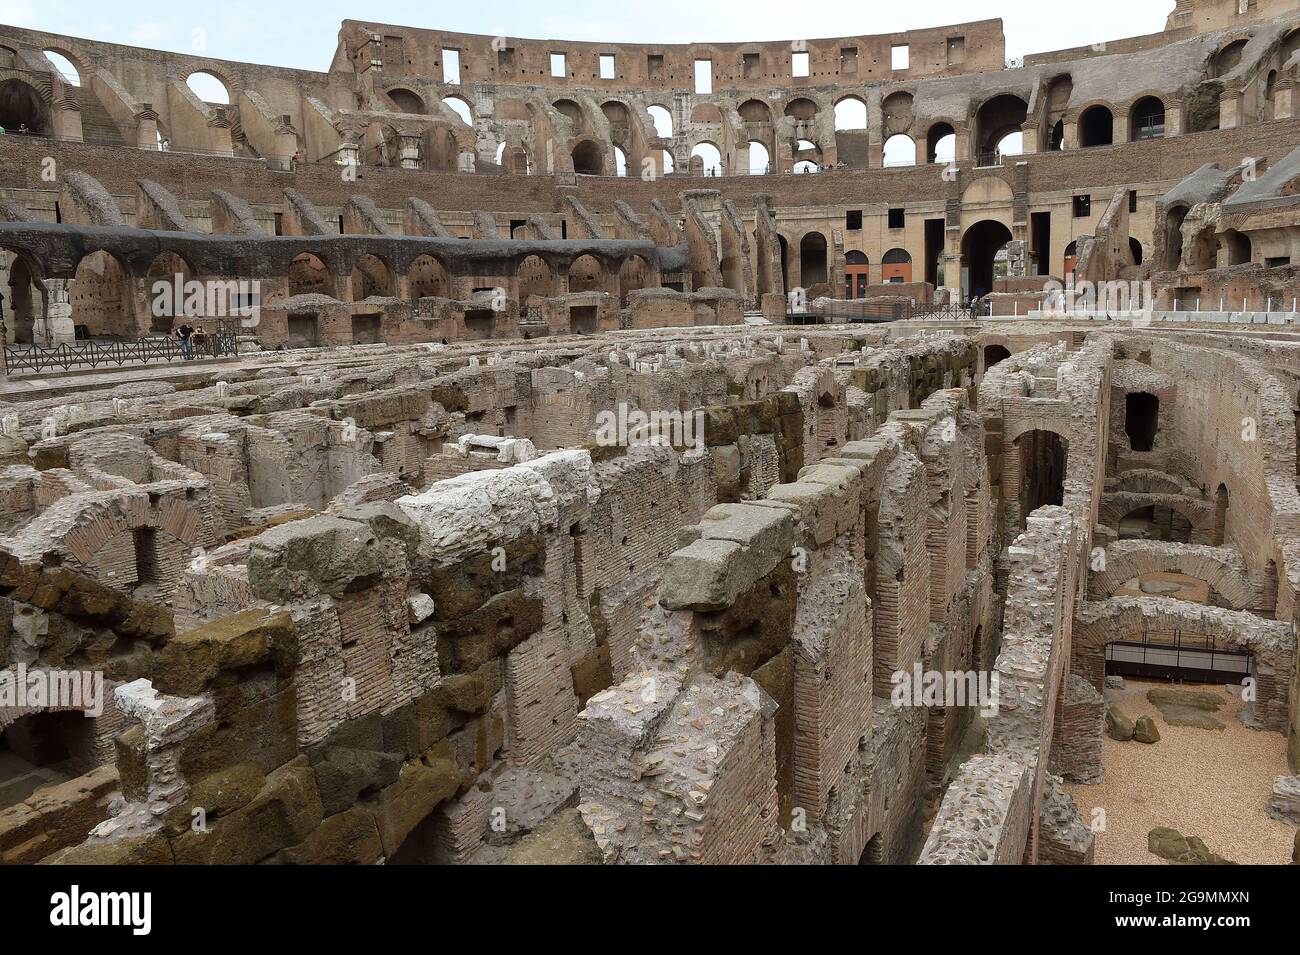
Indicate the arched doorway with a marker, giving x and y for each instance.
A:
(1221, 505)
(1147, 119)
(370, 277)
(24, 296)
(22, 107)
(995, 121)
(979, 247)
(812, 260)
(308, 275)
(994, 354)
(587, 159)
(633, 274)
(428, 278)
(535, 278)
(586, 274)
(941, 143)
(896, 266)
(1096, 127)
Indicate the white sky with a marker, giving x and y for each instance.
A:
(303, 34)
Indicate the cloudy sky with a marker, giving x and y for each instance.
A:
(304, 34)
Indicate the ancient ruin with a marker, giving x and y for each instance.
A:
(447, 458)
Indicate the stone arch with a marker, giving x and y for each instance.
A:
(168, 272)
(900, 150)
(1228, 56)
(21, 104)
(138, 540)
(586, 274)
(1236, 247)
(588, 158)
(897, 113)
(1270, 642)
(1096, 126)
(102, 298)
(634, 273)
(850, 113)
(210, 87)
(1146, 119)
(371, 276)
(407, 101)
(309, 275)
(941, 143)
(979, 246)
(428, 278)
(535, 277)
(813, 264)
(996, 118)
(994, 353)
(1116, 505)
(25, 294)
(1222, 568)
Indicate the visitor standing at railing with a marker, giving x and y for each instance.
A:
(183, 334)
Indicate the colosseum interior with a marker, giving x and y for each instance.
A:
(866, 450)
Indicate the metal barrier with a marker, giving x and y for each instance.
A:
(849, 311)
(35, 359)
(1176, 656)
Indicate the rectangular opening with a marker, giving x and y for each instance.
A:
(897, 218)
(750, 65)
(934, 241)
(480, 323)
(279, 223)
(366, 330)
(900, 56)
(853, 220)
(849, 60)
(1277, 261)
(607, 66)
(654, 65)
(799, 63)
(506, 60)
(1040, 226)
(704, 76)
(558, 65)
(146, 556)
(516, 225)
(582, 319)
(302, 331)
(1132, 200)
(1082, 207)
(956, 50)
(451, 66)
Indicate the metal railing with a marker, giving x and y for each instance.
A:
(846, 311)
(88, 353)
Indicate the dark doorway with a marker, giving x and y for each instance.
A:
(1141, 419)
(366, 330)
(1042, 470)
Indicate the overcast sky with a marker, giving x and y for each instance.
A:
(304, 34)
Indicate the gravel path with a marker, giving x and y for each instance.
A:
(1201, 782)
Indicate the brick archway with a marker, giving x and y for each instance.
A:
(1270, 642)
(1221, 567)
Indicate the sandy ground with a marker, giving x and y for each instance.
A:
(1208, 783)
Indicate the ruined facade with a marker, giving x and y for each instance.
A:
(524, 529)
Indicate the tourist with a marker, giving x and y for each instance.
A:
(183, 334)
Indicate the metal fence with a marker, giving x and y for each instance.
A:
(69, 356)
(848, 311)
(1177, 656)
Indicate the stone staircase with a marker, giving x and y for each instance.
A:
(96, 125)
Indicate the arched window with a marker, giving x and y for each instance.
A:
(208, 88)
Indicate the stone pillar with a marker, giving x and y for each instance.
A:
(1070, 135)
(146, 127)
(67, 119)
(409, 151)
(1119, 127)
(1284, 100)
(1229, 109)
(1173, 121)
(56, 324)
